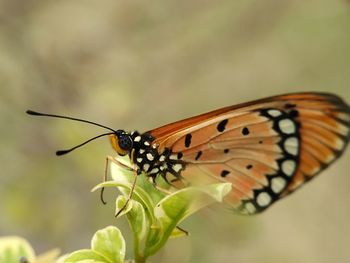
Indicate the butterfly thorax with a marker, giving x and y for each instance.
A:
(146, 157)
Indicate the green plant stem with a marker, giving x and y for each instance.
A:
(139, 257)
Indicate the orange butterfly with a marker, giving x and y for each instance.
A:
(266, 148)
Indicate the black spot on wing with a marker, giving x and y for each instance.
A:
(245, 131)
(222, 124)
(224, 173)
(199, 154)
(188, 139)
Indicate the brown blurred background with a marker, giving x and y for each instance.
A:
(140, 64)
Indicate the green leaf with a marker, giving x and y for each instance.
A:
(86, 256)
(174, 208)
(137, 219)
(185, 202)
(139, 225)
(12, 248)
(110, 243)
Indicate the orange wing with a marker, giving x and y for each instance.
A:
(265, 148)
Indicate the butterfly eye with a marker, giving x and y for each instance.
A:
(125, 142)
(121, 142)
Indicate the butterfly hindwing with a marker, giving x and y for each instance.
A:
(266, 148)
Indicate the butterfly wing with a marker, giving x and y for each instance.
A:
(265, 148)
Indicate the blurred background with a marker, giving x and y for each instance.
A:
(138, 65)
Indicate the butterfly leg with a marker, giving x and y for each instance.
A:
(111, 159)
(165, 191)
(136, 174)
(183, 230)
(154, 183)
(163, 175)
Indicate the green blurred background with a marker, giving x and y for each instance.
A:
(140, 64)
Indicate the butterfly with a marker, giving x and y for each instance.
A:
(266, 148)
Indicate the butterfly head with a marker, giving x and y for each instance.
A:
(121, 142)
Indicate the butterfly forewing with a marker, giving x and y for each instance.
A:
(265, 148)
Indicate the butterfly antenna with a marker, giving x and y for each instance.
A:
(62, 152)
(30, 112)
